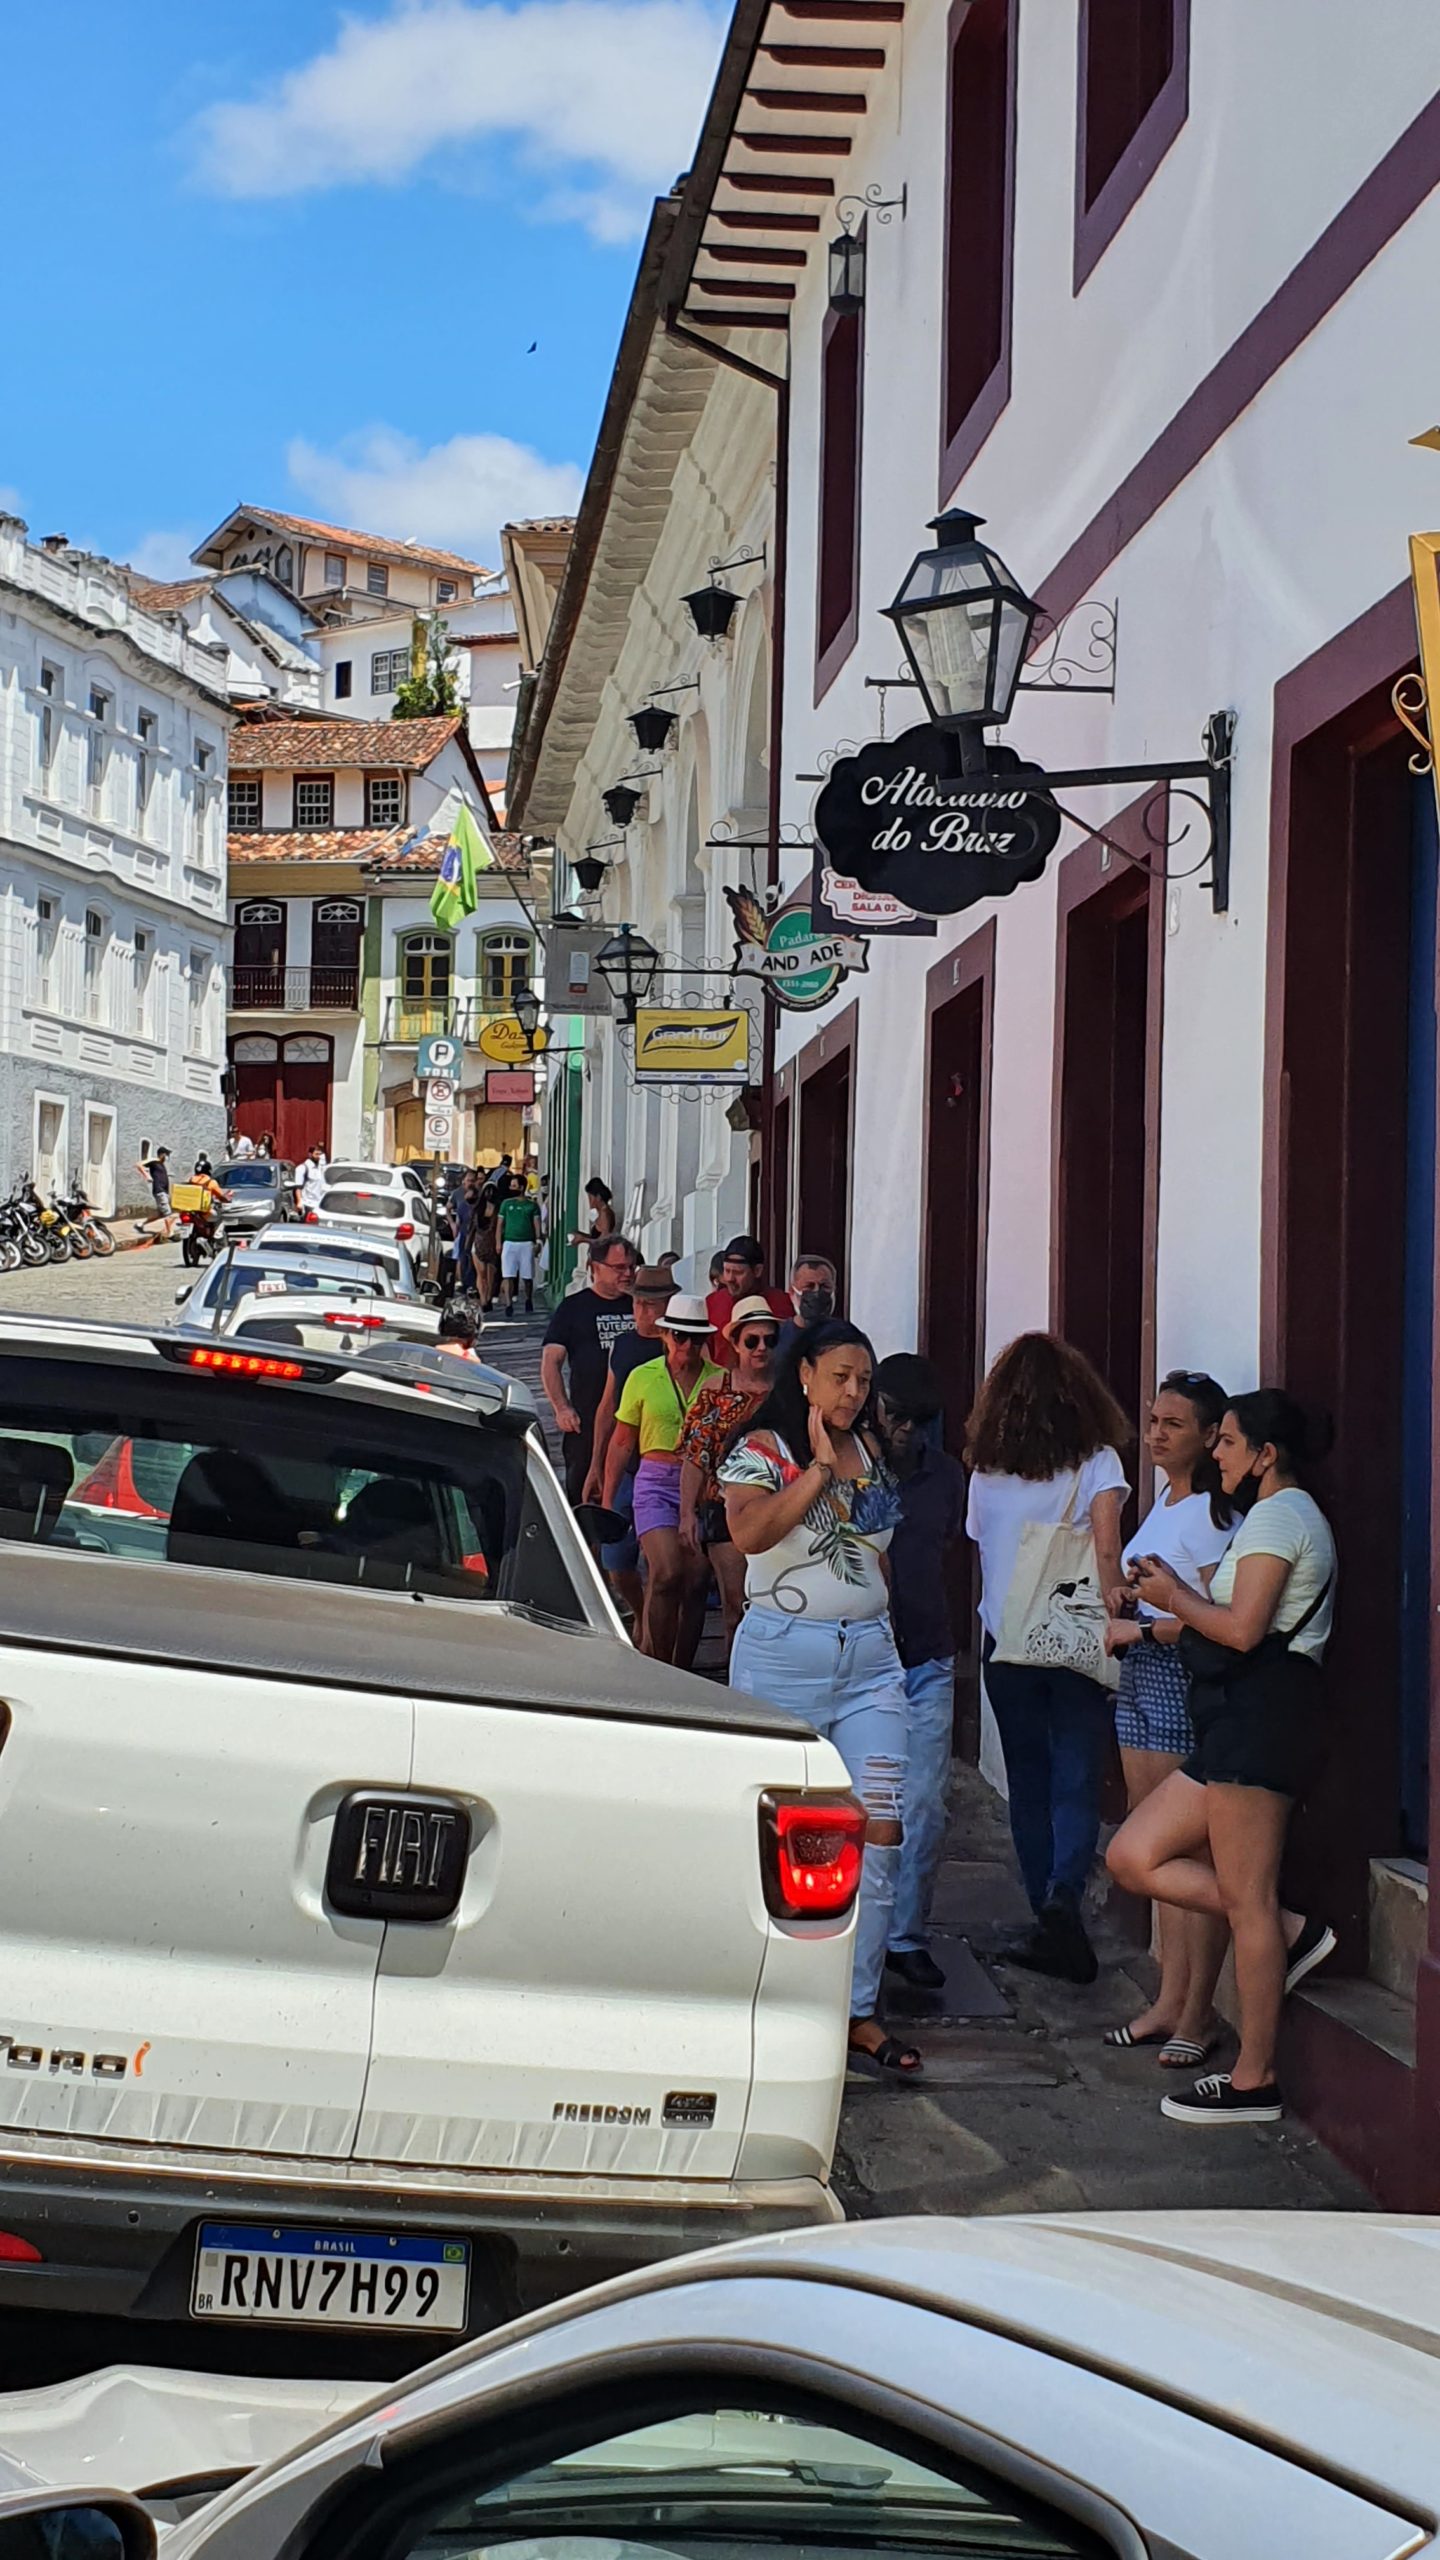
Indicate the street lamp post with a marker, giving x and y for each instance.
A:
(526, 1009)
(964, 622)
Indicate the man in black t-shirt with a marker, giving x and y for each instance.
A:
(582, 1332)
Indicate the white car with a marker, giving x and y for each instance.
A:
(251, 1274)
(361, 1891)
(371, 1249)
(1243, 2386)
(387, 1196)
(333, 1318)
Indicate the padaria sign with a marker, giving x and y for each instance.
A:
(903, 822)
(799, 966)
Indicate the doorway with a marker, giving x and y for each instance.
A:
(335, 927)
(1105, 1127)
(51, 1140)
(98, 1172)
(825, 1077)
(259, 966)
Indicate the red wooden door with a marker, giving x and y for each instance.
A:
(304, 1107)
(255, 1058)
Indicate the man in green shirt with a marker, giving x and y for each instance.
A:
(518, 1221)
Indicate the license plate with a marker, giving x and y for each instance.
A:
(330, 2279)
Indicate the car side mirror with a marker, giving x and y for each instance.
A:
(599, 1528)
(71, 2524)
(183, 1292)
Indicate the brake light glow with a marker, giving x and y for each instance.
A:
(243, 1364)
(405, 1231)
(312, 1217)
(355, 1324)
(13, 2247)
(811, 1852)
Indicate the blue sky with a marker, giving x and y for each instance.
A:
(295, 254)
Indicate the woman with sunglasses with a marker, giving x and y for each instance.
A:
(1190, 1526)
(716, 1415)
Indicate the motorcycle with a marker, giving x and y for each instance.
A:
(199, 1236)
(9, 1236)
(79, 1243)
(55, 1232)
(34, 1238)
(77, 1209)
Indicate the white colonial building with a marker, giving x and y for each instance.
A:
(113, 737)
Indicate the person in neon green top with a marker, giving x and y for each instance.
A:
(517, 1223)
(654, 1403)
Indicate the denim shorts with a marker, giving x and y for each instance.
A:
(1152, 1712)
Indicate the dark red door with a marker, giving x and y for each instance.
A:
(304, 1108)
(259, 953)
(255, 1058)
(824, 1226)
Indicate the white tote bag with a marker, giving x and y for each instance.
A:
(1054, 1613)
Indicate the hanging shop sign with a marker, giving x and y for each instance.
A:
(904, 821)
(800, 967)
(688, 1044)
(503, 1039)
(510, 1084)
(573, 984)
(838, 902)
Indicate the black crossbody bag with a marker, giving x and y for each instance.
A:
(1204, 1659)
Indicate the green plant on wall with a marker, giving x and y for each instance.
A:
(431, 690)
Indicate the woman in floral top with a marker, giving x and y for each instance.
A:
(812, 1506)
(713, 1422)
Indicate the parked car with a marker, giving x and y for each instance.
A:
(365, 1249)
(1226, 2386)
(259, 1192)
(391, 1196)
(458, 1933)
(342, 1320)
(255, 1274)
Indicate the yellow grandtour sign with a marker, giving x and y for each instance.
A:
(681, 1045)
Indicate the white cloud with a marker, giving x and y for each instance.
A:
(164, 555)
(614, 88)
(9, 500)
(456, 495)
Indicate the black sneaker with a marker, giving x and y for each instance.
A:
(1316, 1941)
(916, 1966)
(1215, 2100)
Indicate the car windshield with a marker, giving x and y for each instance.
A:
(167, 1465)
(249, 1177)
(252, 1280)
(380, 1174)
(369, 1204)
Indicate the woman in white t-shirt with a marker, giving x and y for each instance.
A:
(1212, 1837)
(1040, 1444)
(1189, 1528)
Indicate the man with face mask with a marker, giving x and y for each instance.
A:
(812, 1294)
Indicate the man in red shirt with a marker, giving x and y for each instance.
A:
(740, 1278)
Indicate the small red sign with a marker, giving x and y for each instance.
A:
(509, 1084)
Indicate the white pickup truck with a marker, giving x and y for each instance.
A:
(383, 1943)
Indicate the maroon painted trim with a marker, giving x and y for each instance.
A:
(971, 963)
(957, 454)
(1096, 224)
(821, 1050)
(830, 660)
(1371, 651)
(1386, 200)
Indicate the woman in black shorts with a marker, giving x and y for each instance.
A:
(1212, 1836)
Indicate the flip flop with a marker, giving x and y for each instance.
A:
(888, 2061)
(1125, 2040)
(1182, 2053)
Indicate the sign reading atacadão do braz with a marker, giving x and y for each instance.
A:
(902, 819)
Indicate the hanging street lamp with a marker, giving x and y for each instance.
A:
(712, 610)
(847, 271)
(525, 1006)
(652, 726)
(621, 803)
(964, 622)
(627, 963)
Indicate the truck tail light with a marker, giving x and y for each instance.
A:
(811, 1851)
(15, 2249)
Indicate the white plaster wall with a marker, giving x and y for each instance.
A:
(1293, 525)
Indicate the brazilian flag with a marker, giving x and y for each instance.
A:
(467, 853)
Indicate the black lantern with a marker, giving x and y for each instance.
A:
(621, 803)
(652, 726)
(525, 1005)
(964, 621)
(712, 610)
(589, 870)
(847, 270)
(627, 963)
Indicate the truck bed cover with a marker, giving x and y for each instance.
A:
(194, 1617)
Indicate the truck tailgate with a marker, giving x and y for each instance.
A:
(590, 2004)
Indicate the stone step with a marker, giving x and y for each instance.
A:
(1399, 1919)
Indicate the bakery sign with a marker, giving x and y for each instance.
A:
(799, 965)
(906, 825)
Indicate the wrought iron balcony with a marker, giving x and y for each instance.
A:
(256, 990)
(405, 1020)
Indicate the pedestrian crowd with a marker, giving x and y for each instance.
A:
(749, 1445)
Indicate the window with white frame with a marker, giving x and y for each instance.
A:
(197, 1003)
(205, 781)
(334, 568)
(47, 937)
(244, 803)
(52, 695)
(384, 799)
(97, 940)
(314, 799)
(505, 964)
(445, 591)
(377, 578)
(142, 972)
(147, 739)
(98, 746)
(388, 669)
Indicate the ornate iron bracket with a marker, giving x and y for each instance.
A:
(1411, 699)
(1076, 654)
(1213, 804)
(851, 211)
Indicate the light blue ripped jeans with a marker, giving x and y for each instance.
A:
(843, 1676)
(930, 1695)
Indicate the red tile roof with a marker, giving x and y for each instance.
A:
(426, 856)
(380, 546)
(164, 595)
(312, 844)
(302, 746)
